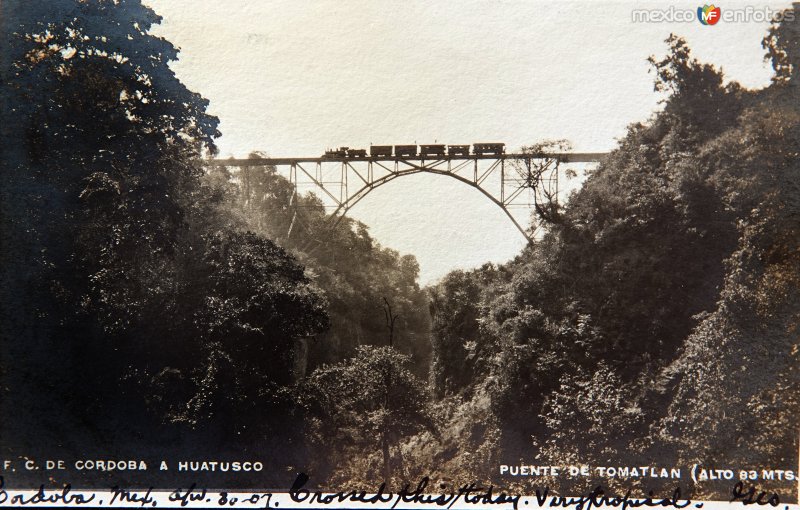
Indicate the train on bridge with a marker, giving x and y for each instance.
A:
(423, 151)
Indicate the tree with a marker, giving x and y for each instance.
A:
(123, 274)
(782, 43)
(540, 174)
(101, 145)
(460, 348)
(232, 364)
(362, 404)
(593, 418)
(102, 155)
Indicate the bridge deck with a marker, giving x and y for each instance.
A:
(570, 157)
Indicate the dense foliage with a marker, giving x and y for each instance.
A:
(364, 406)
(657, 319)
(355, 273)
(133, 307)
(129, 270)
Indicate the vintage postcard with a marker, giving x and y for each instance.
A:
(427, 254)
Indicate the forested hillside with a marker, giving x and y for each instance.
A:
(357, 276)
(137, 314)
(150, 305)
(155, 307)
(658, 317)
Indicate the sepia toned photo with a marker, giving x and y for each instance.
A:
(462, 254)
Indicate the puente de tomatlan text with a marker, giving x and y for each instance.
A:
(344, 176)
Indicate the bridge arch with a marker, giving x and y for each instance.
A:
(342, 209)
(355, 177)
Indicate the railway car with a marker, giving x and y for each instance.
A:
(481, 149)
(431, 150)
(341, 152)
(458, 150)
(380, 151)
(356, 153)
(405, 150)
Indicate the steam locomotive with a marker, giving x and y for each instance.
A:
(406, 151)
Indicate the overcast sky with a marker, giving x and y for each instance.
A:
(292, 78)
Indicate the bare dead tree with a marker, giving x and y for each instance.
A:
(390, 320)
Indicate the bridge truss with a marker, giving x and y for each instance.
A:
(510, 181)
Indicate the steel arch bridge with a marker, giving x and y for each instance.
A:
(508, 180)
